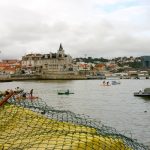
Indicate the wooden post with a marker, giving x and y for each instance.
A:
(5, 99)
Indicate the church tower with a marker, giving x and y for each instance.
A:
(60, 47)
(60, 52)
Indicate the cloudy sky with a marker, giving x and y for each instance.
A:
(97, 28)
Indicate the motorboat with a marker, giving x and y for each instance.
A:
(145, 93)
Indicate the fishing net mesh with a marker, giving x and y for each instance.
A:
(28, 124)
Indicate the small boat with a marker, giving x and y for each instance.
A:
(145, 93)
(115, 82)
(62, 92)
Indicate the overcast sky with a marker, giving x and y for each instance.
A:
(97, 28)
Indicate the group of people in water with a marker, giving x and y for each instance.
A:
(106, 83)
(18, 92)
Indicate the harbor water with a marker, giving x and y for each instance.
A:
(114, 106)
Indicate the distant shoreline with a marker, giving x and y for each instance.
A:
(40, 78)
(62, 77)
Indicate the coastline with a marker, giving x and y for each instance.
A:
(56, 77)
(34, 77)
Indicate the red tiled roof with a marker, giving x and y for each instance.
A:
(4, 65)
(83, 65)
(9, 69)
(100, 65)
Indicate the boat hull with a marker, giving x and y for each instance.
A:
(66, 93)
(141, 94)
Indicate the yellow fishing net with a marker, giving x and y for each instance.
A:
(32, 125)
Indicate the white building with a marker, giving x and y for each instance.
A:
(52, 63)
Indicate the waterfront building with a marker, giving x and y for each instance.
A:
(98, 69)
(83, 68)
(48, 64)
(9, 66)
(31, 63)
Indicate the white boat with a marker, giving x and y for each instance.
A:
(145, 93)
(115, 82)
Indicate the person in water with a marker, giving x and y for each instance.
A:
(107, 83)
(7, 92)
(31, 92)
(18, 90)
(103, 82)
(24, 95)
(67, 91)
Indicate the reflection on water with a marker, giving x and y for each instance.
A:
(147, 99)
(114, 105)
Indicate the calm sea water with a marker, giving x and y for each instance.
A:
(114, 106)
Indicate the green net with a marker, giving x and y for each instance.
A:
(30, 124)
